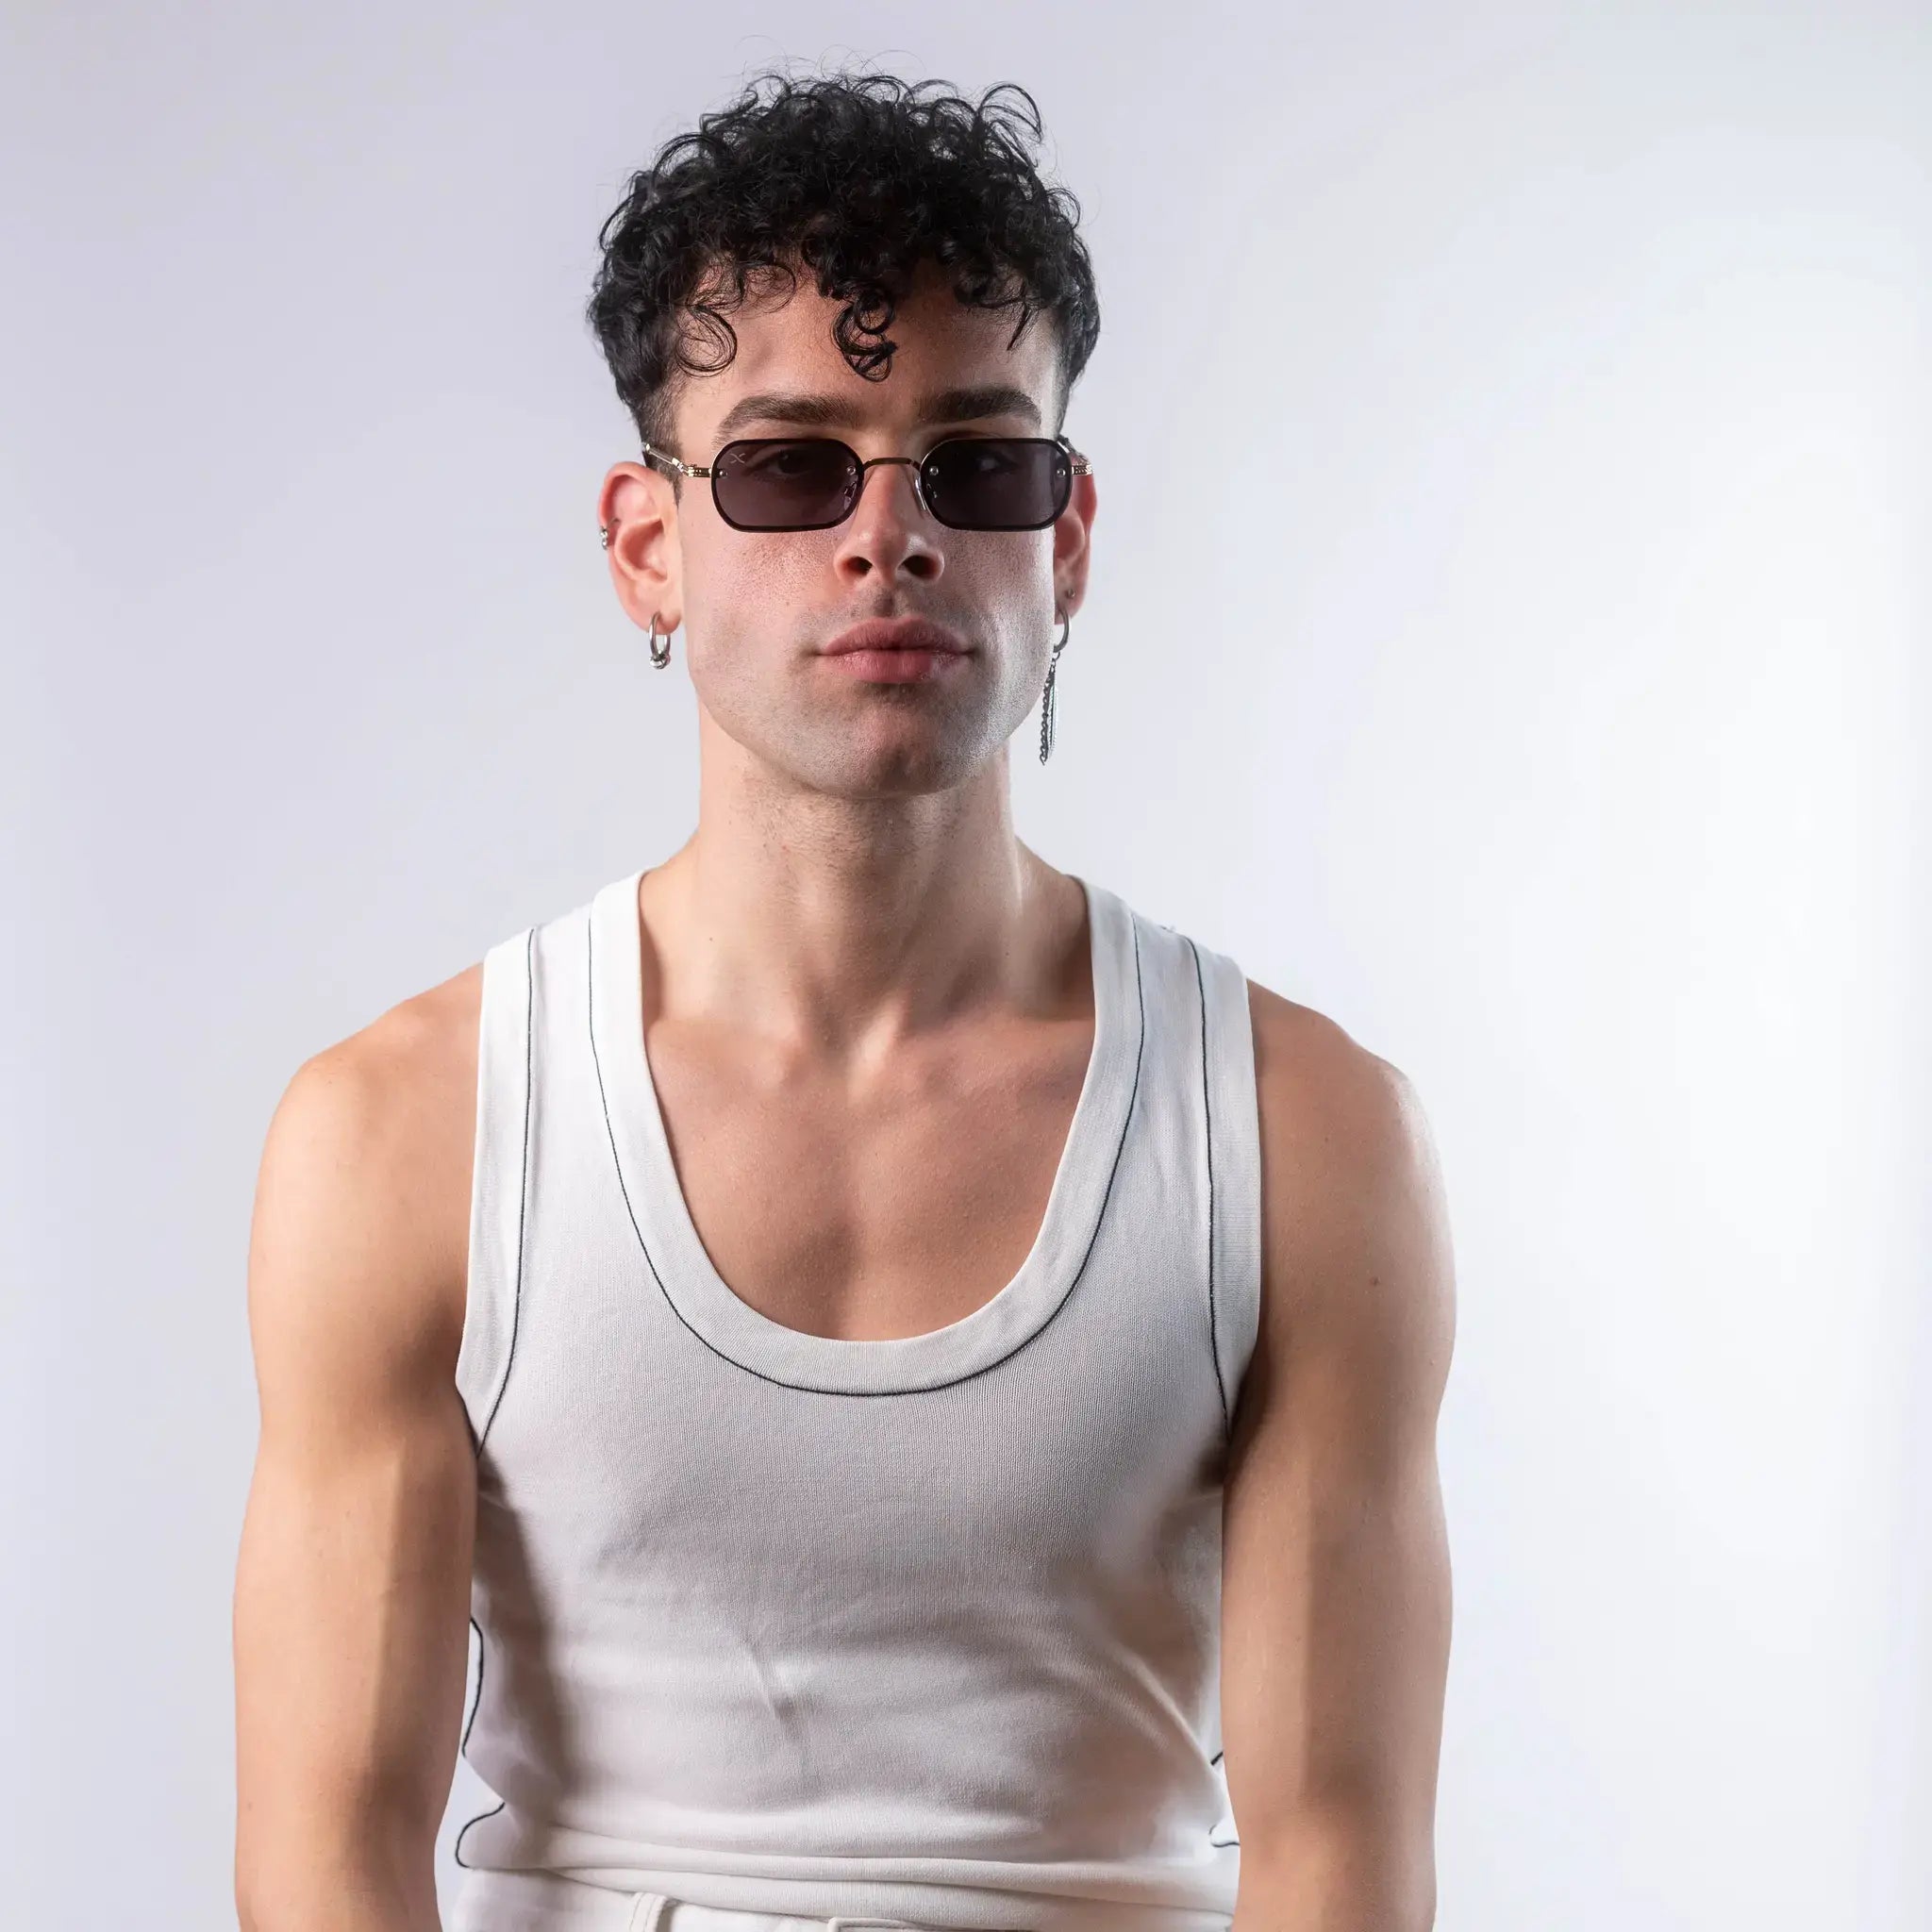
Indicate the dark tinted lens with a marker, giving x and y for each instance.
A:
(998, 482)
(784, 484)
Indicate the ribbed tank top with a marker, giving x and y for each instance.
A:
(924, 1629)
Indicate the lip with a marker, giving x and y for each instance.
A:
(896, 634)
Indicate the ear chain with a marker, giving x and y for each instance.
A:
(1046, 697)
(661, 658)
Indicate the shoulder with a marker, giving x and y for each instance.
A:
(1355, 1263)
(362, 1212)
(1324, 1094)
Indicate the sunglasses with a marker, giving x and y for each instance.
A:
(966, 482)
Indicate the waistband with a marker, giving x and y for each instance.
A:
(495, 1901)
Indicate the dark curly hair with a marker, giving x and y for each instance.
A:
(857, 179)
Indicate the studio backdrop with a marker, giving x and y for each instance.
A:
(1507, 633)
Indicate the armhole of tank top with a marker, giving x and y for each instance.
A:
(497, 1182)
(1234, 1173)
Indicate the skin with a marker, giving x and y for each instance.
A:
(1336, 1593)
(854, 960)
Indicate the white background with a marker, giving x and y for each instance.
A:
(1507, 634)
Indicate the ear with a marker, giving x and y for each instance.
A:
(1072, 546)
(637, 507)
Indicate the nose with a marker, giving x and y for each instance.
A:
(889, 528)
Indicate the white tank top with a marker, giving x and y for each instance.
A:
(924, 1629)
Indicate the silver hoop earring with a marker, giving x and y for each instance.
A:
(659, 657)
(1047, 698)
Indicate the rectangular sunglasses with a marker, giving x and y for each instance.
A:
(812, 482)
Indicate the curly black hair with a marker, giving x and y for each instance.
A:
(858, 179)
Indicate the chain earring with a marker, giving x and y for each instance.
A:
(1047, 698)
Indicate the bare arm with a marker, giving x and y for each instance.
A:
(352, 1586)
(1336, 1583)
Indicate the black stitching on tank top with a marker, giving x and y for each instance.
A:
(1207, 1141)
(810, 1388)
(470, 1721)
(457, 1849)
(516, 1304)
(516, 1310)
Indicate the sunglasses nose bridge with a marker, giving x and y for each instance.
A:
(869, 465)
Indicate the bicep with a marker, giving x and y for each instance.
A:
(351, 1592)
(1336, 1582)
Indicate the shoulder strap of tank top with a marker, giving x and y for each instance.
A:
(497, 1189)
(1234, 1170)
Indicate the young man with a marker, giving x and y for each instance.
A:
(925, 1377)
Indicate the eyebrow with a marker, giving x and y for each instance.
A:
(967, 404)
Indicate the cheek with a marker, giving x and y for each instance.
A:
(753, 605)
(723, 574)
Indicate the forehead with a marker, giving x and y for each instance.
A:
(951, 363)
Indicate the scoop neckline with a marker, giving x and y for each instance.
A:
(681, 1265)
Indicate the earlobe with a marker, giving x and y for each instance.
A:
(638, 536)
(1073, 539)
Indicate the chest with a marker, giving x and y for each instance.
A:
(880, 1209)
